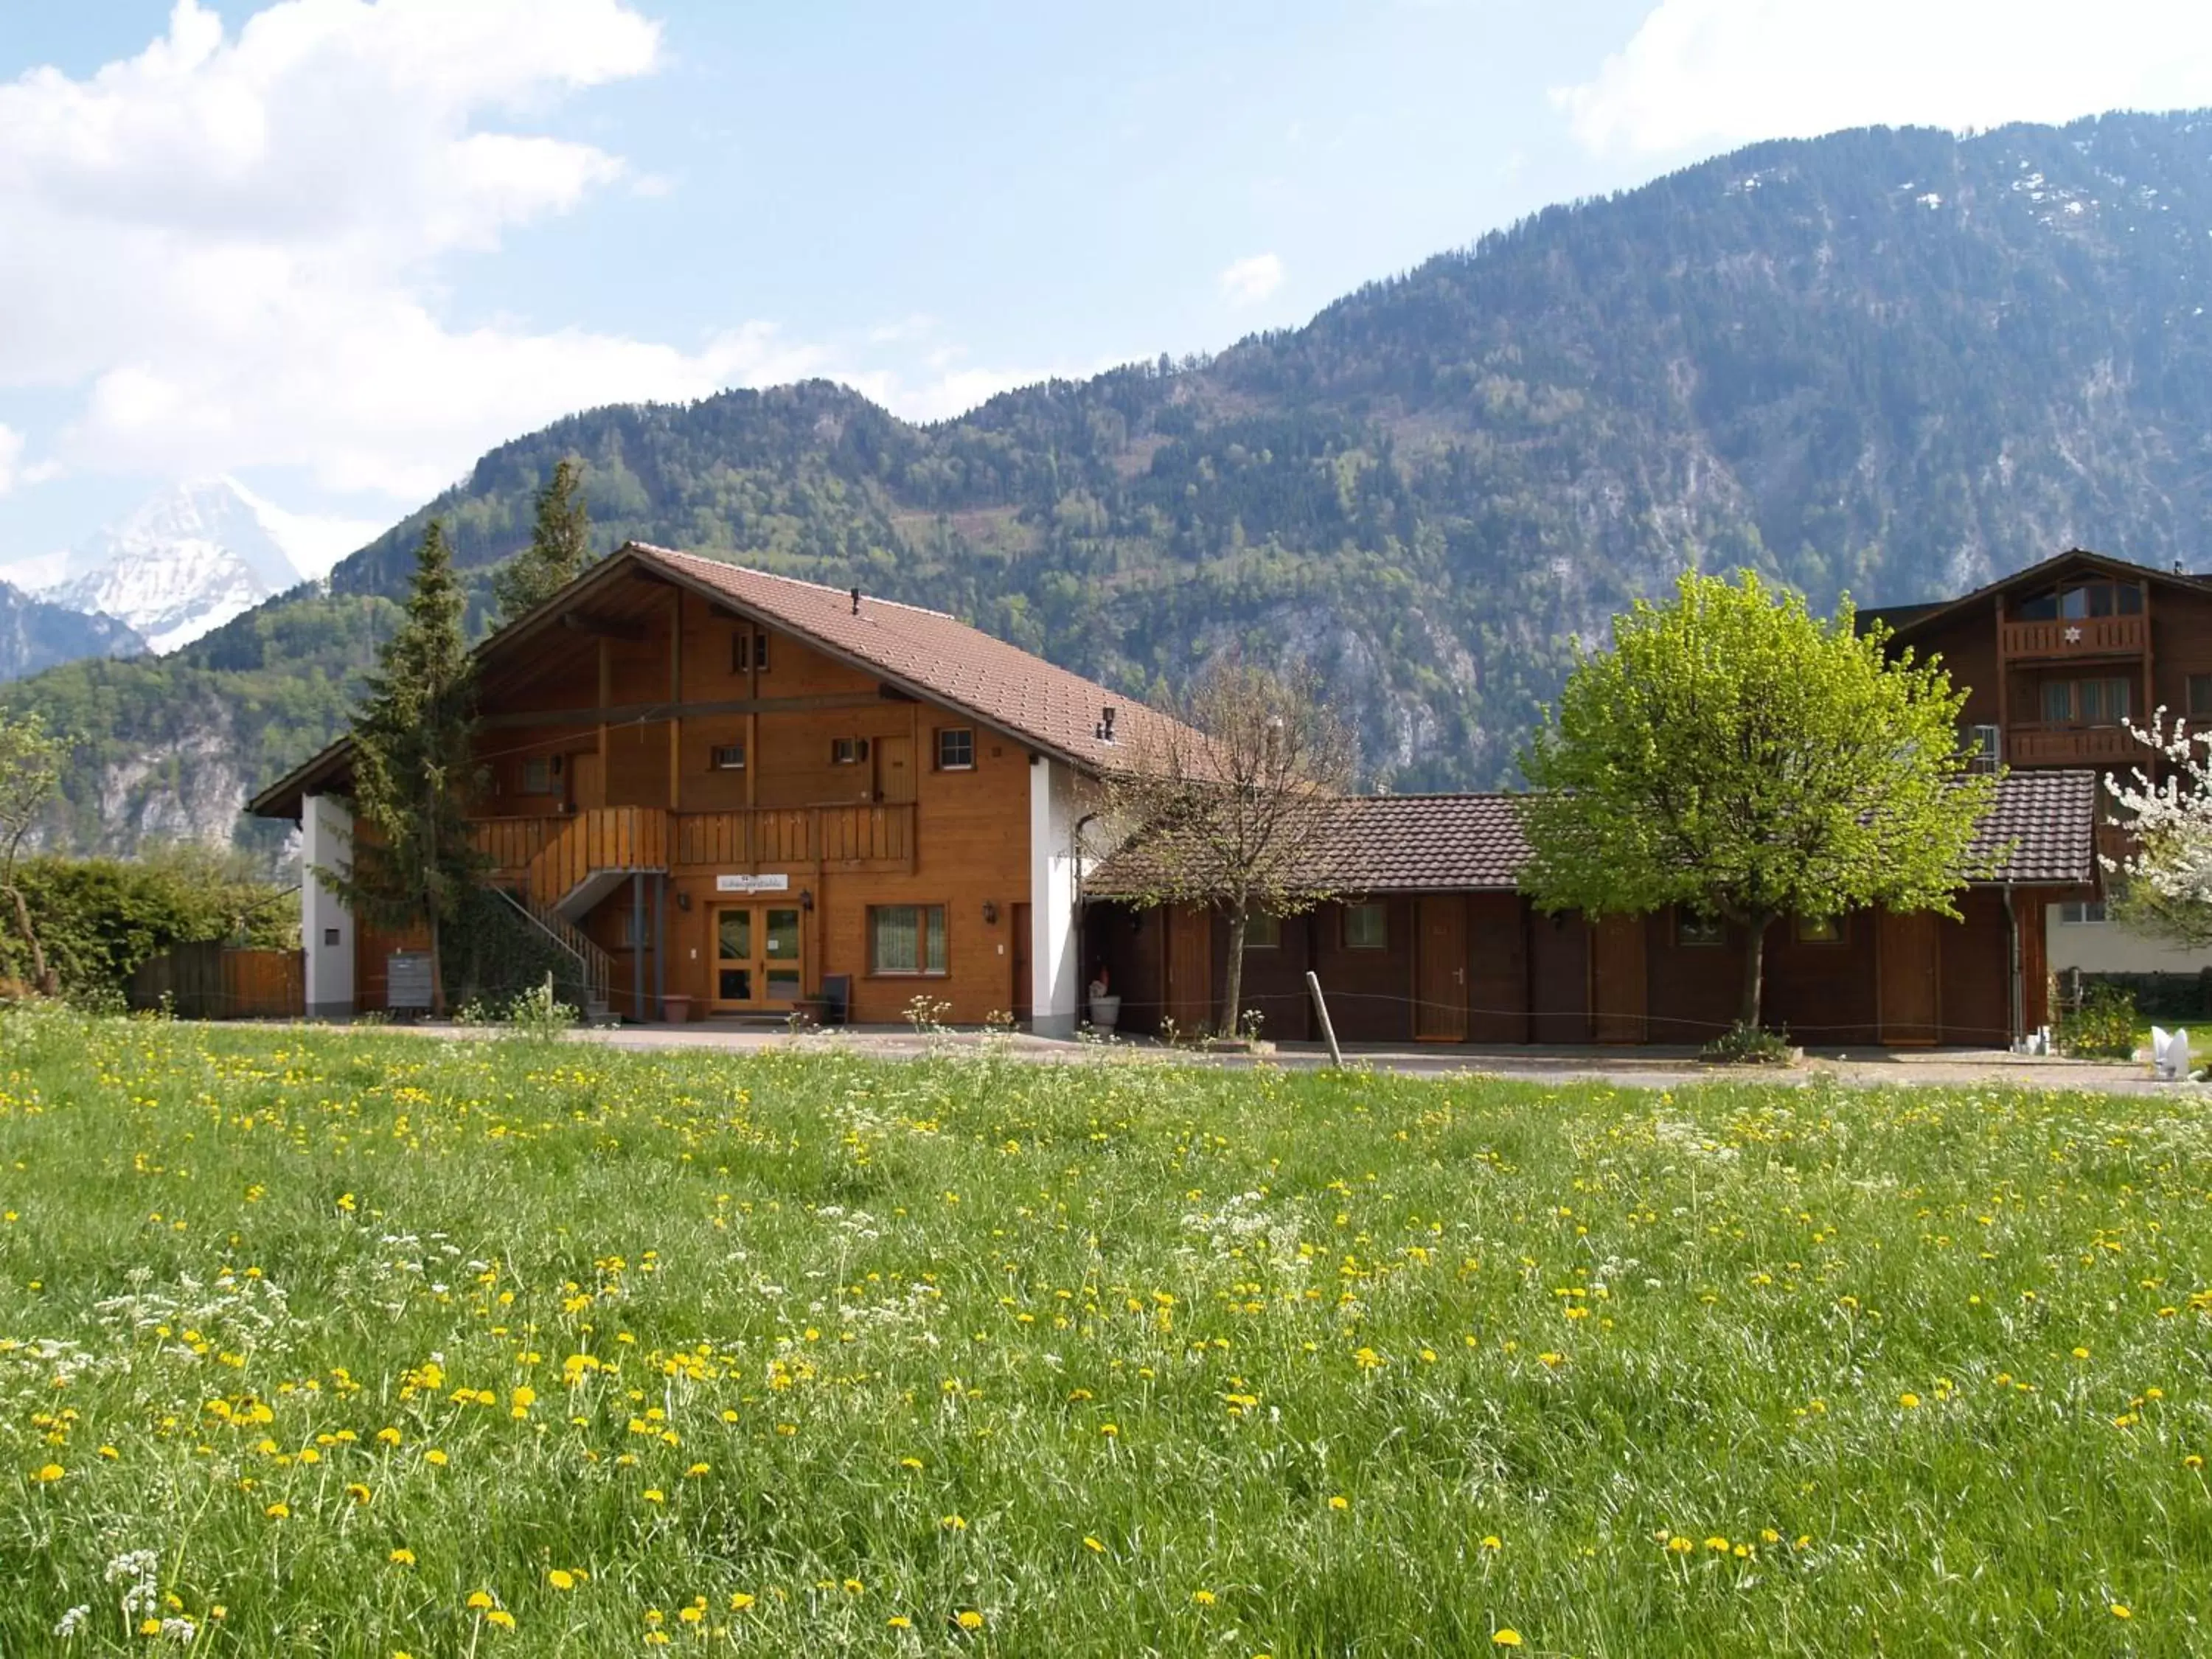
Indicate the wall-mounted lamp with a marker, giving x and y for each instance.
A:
(990, 913)
(806, 899)
(683, 900)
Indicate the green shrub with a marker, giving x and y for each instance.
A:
(2102, 1028)
(1748, 1045)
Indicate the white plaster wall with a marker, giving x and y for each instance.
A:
(1055, 874)
(325, 840)
(2105, 947)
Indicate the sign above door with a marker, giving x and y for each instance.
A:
(752, 883)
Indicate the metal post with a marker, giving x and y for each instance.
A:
(660, 947)
(1327, 1027)
(637, 947)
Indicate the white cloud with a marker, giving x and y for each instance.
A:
(1250, 280)
(232, 249)
(1702, 72)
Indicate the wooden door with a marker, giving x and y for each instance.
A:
(895, 768)
(1021, 1003)
(1909, 965)
(1617, 984)
(1440, 969)
(1559, 979)
(588, 784)
(1498, 967)
(1190, 968)
(760, 952)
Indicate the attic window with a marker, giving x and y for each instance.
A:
(955, 749)
(729, 757)
(748, 654)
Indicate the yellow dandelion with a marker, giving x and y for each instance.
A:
(1204, 1598)
(740, 1602)
(478, 1600)
(953, 1523)
(900, 1621)
(2121, 1610)
(1492, 1541)
(278, 1512)
(1340, 1502)
(500, 1618)
(435, 1458)
(1908, 1401)
(969, 1619)
(358, 1493)
(655, 1495)
(561, 1579)
(47, 1475)
(1507, 1638)
(1093, 1545)
(402, 1557)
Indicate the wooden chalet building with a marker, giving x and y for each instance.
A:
(1433, 943)
(723, 791)
(2059, 660)
(721, 787)
(2061, 657)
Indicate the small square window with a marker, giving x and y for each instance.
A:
(538, 775)
(728, 758)
(1694, 932)
(329, 936)
(1366, 928)
(2085, 913)
(956, 750)
(1820, 930)
(1263, 932)
(848, 751)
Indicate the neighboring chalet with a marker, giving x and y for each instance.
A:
(726, 791)
(726, 786)
(1433, 943)
(2060, 659)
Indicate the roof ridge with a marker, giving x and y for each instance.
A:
(823, 588)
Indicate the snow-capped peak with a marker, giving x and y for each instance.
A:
(181, 564)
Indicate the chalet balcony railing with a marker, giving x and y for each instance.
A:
(859, 836)
(2078, 636)
(550, 857)
(2072, 745)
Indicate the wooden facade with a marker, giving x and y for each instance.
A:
(1488, 967)
(2059, 660)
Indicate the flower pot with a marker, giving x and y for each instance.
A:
(1105, 1011)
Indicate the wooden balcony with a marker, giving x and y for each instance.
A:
(2072, 745)
(862, 835)
(2077, 637)
(556, 858)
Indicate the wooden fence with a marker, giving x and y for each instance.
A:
(217, 981)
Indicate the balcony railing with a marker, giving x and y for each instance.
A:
(2078, 636)
(557, 854)
(2072, 745)
(859, 836)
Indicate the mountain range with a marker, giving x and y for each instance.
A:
(1891, 362)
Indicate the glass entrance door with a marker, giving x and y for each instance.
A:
(758, 959)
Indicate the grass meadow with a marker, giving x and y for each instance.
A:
(367, 1344)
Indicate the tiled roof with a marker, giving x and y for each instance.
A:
(2051, 818)
(943, 658)
(1473, 843)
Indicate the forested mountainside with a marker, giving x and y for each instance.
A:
(1893, 363)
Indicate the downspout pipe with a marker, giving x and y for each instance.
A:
(2018, 1010)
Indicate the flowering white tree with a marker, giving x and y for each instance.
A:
(2164, 882)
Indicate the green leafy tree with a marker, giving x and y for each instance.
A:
(413, 767)
(30, 766)
(1736, 755)
(559, 548)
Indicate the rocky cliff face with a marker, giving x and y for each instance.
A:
(35, 634)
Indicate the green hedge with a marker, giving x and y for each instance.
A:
(99, 918)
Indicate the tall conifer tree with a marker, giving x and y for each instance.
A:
(414, 770)
(559, 546)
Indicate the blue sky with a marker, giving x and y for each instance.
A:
(337, 249)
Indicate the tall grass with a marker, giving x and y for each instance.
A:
(379, 1344)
